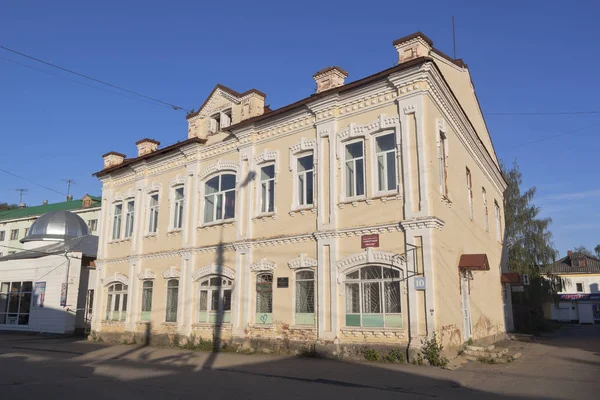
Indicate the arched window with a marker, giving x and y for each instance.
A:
(116, 302)
(305, 298)
(215, 300)
(172, 295)
(373, 297)
(147, 289)
(264, 299)
(219, 198)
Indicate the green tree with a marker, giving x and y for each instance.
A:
(6, 206)
(597, 250)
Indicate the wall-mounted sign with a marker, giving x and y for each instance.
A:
(283, 282)
(420, 283)
(526, 279)
(517, 288)
(369, 241)
(39, 293)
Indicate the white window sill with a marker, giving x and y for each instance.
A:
(352, 200)
(224, 222)
(302, 210)
(174, 232)
(152, 235)
(265, 216)
(115, 241)
(385, 196)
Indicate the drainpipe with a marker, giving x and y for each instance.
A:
(66, 280)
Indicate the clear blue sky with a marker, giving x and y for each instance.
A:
(525, 56)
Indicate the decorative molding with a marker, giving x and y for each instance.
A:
(178, 180)
(422, 223)
(116, 277)
(303, 145)
(171, 273)
(265, 156)
(220, 165)
(354, 130)
(213, 269)
(370, 256)
(146, 274)
(263, 265)
(302, 261)
(154, 187)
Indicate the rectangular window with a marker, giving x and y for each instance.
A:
(442, 164)
(93, 225)
(498, 221)
(385, 149)
(305, 180)
(153, 214)
(470, 194)
(147, 290)
(486, 223)
(14, 234)
(116, 302)
(178, 208)
(579, 287)
(267, 189)
(116, 234)
(355, 169)
(219, 198)
(15, 302)
(25, 232)
(172, 296)
(129, 218)
(305, 298)
(264, 299)
(2, 235)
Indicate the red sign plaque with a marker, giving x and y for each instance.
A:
(369, 241)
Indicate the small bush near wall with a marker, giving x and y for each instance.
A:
(432, 352)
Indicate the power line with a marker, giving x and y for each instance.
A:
(555, 136)
(83, 83)
(173, 106)
(30, 181)
(546, 113)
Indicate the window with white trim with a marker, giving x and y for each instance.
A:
(2, 235)
(172, 297)
(267, 189)
(153, 208)
(498, 221)
(15, 302)
(214, 305)
(385, 154)
(443, 167)
(486, 223)
(579, 287)
(116, 302)
(373, 297)
(147, 291)
(117, 215)
(14, 234)
(305, 179)
(92, 225)
(354, 169)
(129, 218)
(219, 198)
(305, 298)
(264, 298)
(470, 193)
(178, 202)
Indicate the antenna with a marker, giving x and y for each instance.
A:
(453, 37)
(69, 182)
(21, 191)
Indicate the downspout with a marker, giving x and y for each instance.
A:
(66, 280)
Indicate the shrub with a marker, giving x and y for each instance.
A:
(432, 352)
(395, 356)
(371, 355)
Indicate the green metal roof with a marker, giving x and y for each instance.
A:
(39, 210)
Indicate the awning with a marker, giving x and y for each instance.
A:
(476, 262)
(511, 277)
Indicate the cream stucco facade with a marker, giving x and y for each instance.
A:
(296, 190)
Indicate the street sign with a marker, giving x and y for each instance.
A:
(526, 279)
(420, 283)
(369, 241)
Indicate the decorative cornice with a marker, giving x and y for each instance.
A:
(116, 277)
(265, 156)
(172, 273)
(153, 187)
(370, 256)
(178, 180)
(303, 145)
(213, 269)
(355, 130)
(422, 223)
(263, 265)
(302, 261)
(146, 274)
(220, 165)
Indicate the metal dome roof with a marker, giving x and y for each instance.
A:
(56, 225)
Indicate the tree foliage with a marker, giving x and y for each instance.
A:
(528, 241)
(597, 250)
(6, 206)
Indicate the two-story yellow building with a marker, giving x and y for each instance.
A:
(368, 212)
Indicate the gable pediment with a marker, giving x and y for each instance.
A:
(221, 98)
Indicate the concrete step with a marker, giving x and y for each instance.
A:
(496, 353)
(506, 357)
(480, 347)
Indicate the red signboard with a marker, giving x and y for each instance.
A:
(369, 241)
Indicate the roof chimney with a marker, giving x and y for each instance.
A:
(413, 46)
(113, 158)
(69, 197)
(22, 205)
(146, 146)
(45, 202)
(329, 78)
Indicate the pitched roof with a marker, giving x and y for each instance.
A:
(227, 90)
(35, 211)
(566, 265)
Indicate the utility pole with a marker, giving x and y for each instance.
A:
(21, 191)
(69, 182)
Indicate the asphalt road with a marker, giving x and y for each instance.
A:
(564, 366)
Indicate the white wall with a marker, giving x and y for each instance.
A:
(591, 283)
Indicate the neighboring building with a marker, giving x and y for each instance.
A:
(579, 299)
(15, 224)
(45, 287)
(311, 222)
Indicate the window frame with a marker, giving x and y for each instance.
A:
(2, 235)
(152, 213)
(299, 203)
(129, 218)
(577, 287)
(469, 181)
(14, 234)
(94, 222)
(176, 311)
(259, 191)
(177, 204)
(268, 320)
(4, 314)
(146, 315)
(117, 228)
(211, 290)
(221, 192)
(304, 315)
(111, 296)
(344, 191)
(374, 164)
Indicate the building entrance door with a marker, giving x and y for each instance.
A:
(586, 313)
(465, 305)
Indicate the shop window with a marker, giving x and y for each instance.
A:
(15, 302)
(215, 300)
